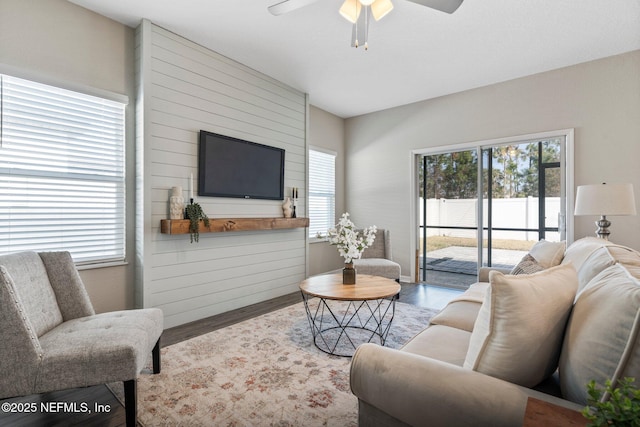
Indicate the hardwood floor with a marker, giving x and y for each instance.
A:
(430, 296)
(113, 414)
(193, 329)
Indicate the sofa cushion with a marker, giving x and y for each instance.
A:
(483, 272)
(440, 342)
(597, 261)
(602, 337)
(476, 292)
(458, 314)
(548, 254)
(462, 311)
(578, 252)
(601, 257)
(518, 333)
(527, 265)
(625, 256)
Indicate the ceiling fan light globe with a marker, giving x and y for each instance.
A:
(350, 10)
(380, 9)
(367, 2)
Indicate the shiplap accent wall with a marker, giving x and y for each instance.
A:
(183, 88)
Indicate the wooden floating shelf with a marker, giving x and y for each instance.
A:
(221, 225)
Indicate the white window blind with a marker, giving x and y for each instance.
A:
(322, 192)
(61, 172)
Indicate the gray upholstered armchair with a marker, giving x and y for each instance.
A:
(53, 340)
(376, 259)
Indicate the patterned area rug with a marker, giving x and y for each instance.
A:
(265, 371)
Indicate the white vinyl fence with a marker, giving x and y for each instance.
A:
(507, 213)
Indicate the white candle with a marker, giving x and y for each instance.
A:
(191, 187)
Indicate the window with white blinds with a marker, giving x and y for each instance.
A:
(61, 172)
(322, 192)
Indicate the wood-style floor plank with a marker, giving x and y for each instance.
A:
(200, 327)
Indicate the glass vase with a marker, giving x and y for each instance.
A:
(348, 274)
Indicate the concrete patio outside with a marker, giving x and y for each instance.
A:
(457, 266)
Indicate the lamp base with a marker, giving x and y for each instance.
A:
(603, 228)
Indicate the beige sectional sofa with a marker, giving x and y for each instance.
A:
(508, 338)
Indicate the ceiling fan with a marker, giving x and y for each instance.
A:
(352, 10)
(448, 6)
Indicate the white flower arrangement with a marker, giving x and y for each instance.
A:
(349, 241)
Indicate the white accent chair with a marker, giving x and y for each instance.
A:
(53, 340)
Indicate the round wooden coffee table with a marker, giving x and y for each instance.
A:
(342, 317)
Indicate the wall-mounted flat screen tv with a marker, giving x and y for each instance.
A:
(231, 167)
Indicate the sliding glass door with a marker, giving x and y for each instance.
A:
(449, 217)
(522, 194)
(521, 186)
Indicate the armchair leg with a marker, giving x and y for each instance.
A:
(156, 357)
(130, 402)
(130, 389)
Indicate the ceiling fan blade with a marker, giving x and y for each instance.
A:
(448, 6)
(286, 6)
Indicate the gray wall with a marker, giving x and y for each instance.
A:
(57, 42)
(327, 131)
(599, 99)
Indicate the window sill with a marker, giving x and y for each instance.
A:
(317, 240)
(98, 264)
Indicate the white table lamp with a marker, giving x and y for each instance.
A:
(605, 199)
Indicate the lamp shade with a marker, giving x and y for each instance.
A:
(605, 199)
(380, 8)
(350, 10)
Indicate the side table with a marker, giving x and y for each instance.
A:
(343, 316)
(541, 413)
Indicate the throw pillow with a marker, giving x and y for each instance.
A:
(527, 265)
(602, 339)
(518, 333)
(581, 249)
(548, 254)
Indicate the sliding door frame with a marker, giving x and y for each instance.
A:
(568, 178)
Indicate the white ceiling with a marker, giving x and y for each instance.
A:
(415, 53)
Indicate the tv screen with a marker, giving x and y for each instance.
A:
(231, 167)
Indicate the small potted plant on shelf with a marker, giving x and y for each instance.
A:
(194, 215)
(622, 408)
